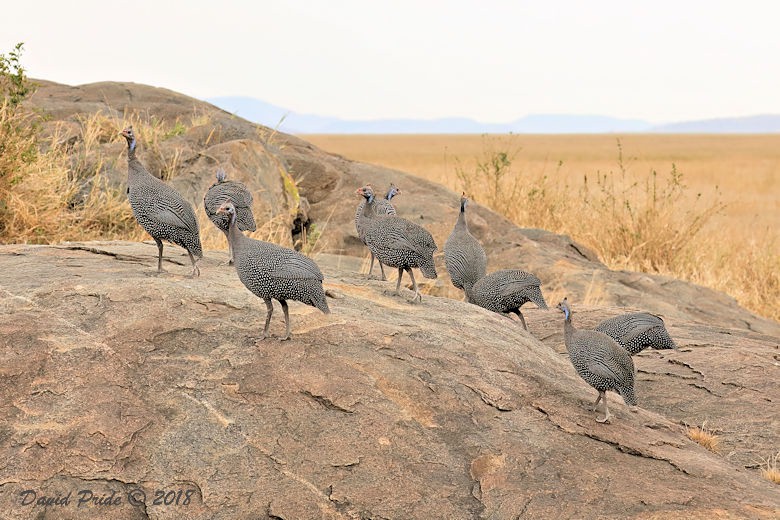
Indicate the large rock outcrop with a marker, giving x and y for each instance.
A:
(114, 379)
(266, 161)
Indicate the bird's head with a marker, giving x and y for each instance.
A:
(463, 201)
(367, 192)
(392, 191)
(227, 209)
(564, 308)
(128, 134)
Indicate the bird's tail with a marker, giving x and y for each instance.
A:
(319, 301)
(428, 268)
(535, 295)
(629, 397)
(666, 340)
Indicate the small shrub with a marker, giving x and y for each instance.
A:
(771, 468)
(704, 437)
(14, 85)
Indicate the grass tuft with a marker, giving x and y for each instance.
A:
(771, 468)
(704, 437)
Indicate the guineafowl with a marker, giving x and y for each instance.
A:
(505, 291)
(600, 361)
(160, 209)
(236, 192)
(274, 272)
(397, 242)
(637, 331)
(464, 257)
(382, 207)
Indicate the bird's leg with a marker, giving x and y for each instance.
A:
(286, 319)
(398, 285)
(195, 269)
(381, 268)
(159, 255)
(520, 315)
(270, 306)
(417, 295)
(606, 410)
(598, 400)
(371, 268)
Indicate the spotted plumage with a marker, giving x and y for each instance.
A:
(505, 291)
(382, 207)
(160, 209)
(229, 191)
(600, 361)
(464, 256)
(637, 331)
(274, 272)
(397, 242)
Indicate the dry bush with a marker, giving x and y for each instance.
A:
(704, 437)
(48, 201)
(771, 468)
(651, 224)
(55, 188)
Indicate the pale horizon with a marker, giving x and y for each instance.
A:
(491, 62)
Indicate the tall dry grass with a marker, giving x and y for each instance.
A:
(653, 205)
(54, 188)
(59, 191)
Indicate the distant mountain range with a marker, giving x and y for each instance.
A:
(270, 115)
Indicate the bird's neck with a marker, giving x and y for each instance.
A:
(568, 329)
(131, 150)
(235, 236)
(462, 219)
(467, 288)
(368, 208)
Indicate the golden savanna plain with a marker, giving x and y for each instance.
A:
(703, 208)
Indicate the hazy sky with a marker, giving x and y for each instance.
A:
(493, 61)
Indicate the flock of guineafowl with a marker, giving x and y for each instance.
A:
(602, 357)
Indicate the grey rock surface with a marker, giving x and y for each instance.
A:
(113, 379)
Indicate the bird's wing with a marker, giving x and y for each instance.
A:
(599, 369)
(171, 218)
(639, 324)
(399, 241)
(296, 266)
(515, 285)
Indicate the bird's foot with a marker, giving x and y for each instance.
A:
(286, 338)
(195, 272)
(417, 298)
(605, 420)
(257, 340)
(634, 409)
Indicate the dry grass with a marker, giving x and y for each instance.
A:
(771, 468)
(48, 196)
(704, 437)
(699, 208)
(54, 188)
